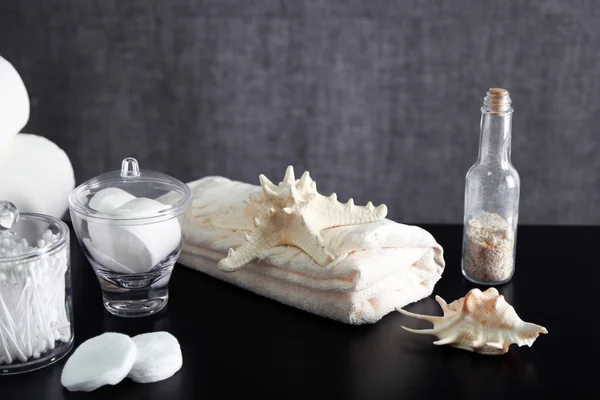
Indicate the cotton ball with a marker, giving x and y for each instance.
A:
(134, 248)
(47, 236)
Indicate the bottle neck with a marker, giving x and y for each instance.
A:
(495, 129)
(494, 141)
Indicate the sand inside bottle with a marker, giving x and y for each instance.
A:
(489, 252)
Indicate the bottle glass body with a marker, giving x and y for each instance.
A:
(491, 212)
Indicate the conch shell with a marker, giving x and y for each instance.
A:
(482, 322)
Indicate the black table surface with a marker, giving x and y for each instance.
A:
(238, 344)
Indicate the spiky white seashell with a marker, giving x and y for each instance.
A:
(482, 322)
(292, 213)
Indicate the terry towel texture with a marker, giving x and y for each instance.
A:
(378, 266)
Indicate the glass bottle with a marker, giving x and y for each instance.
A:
(492, 198)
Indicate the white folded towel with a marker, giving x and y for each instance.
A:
(379, 266)
(14, 102)
(36, 175)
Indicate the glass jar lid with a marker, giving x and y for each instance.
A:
(130, 195)
(24, 236)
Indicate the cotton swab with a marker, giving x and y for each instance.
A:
(33, 316)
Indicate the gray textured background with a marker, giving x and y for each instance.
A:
(379, 100)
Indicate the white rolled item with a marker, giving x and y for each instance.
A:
(108, 200)
(14, 102)
(36, 175)
(135, 248)
(104, 260)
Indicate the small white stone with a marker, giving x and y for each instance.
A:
(102, 360)
(47, 235)
(159, 357)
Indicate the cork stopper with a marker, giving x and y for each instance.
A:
(497, 101)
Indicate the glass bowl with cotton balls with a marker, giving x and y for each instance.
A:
(129, 223)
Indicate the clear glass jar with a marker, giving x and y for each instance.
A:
(492, 198)
(36, 312)
(129, 223)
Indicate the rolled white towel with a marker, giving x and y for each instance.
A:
(36, 175)
(14, 102)
(378, 266)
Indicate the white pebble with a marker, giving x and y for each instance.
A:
(102, 360)
(159, 357)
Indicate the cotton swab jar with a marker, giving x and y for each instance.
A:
(129, 224)
(36, 313)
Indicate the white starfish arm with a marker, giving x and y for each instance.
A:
(311, 243)
(256, 243)
(326, 212)
(237, 259)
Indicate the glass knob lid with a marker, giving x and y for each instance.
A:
(9, 215)
(130, 168)
(129, 182)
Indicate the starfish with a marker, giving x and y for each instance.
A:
(293, 213)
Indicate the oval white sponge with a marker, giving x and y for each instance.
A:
(102, 360)
(158, 358)
(14, 102)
